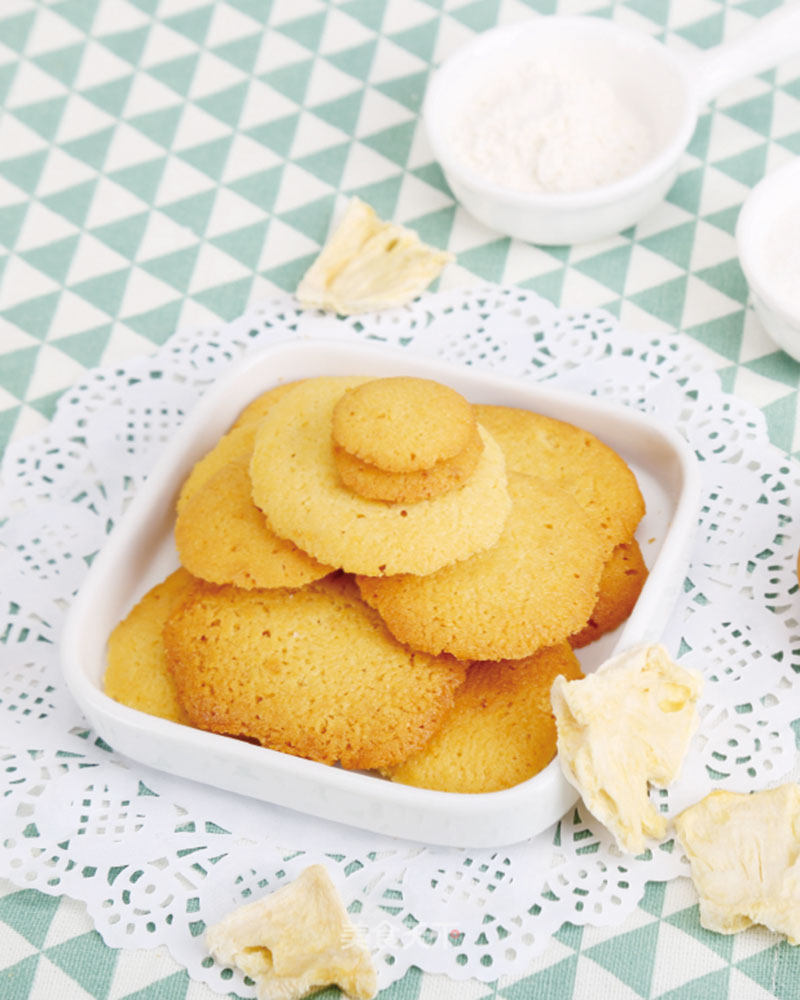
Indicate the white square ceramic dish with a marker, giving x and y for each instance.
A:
(141, 551)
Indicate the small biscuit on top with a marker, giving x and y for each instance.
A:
(297, 486)
(404, 439)
(402, 424)
(408, 487)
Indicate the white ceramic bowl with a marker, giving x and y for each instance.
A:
(141, 551)
(768, 242)
(644, 75)
(663, 87)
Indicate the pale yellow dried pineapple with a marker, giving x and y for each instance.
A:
(744, 853)
(296, 941)
(621, 728)
(368, 264)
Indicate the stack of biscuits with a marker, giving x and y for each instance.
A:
(380, 575)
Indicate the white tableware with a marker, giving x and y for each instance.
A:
(664, 87)
(141, 551)
(768, 242)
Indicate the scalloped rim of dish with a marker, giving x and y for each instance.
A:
(140, 552)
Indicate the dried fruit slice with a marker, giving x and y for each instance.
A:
(619, 729)
(743, 851)
(369, 264)
(296, 941)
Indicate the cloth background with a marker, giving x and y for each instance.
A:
(166, 163)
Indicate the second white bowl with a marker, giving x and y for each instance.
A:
(768, 242)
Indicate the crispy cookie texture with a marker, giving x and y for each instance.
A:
(222, 537)
(237, 441)
(137, 674)
(402, 424)
(311, 672)
(259, 407)
(533, 588)
(297, 486)
(232, 445)
(574, 459)
(408, 487)
(623, 577)
(500, 731)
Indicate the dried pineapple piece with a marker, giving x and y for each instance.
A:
(296, 941)
(744, 853)
(369, 264)
(626, 725)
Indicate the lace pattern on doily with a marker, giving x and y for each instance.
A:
(157, 859)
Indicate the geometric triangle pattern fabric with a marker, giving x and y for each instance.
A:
(162, 160)
(138, 134)
(48, 942)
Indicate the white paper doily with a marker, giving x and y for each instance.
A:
(156, 859)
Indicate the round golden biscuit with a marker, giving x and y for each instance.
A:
(408, 487)
(232, 445)
(533, 588)
(573, 458)
(296, 485)
(500, 731)
(623, 577)
(402, 424)
(222, 537)
(310, 672)
(261, 405)
(237, 441)
(137, 674)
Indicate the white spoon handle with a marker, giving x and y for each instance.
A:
(771, 39)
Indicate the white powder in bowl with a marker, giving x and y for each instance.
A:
(550, 127)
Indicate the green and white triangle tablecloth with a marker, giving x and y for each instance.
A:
(166, 163)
